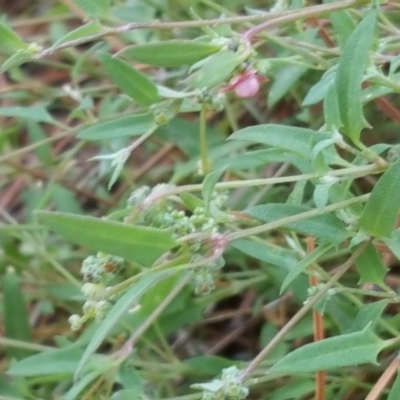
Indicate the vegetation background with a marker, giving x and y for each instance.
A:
(199, 199)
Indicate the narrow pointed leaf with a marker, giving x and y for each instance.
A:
(370, 266)
(132, 82)
(170, 53)
(88, 29)
(331, 110)
(326, 226)
(118, 310)
(129, 126)
(58, 361)
(297, 140)
(379, 215)
(9, 40)
(94, 8)
(349, 76)
(217, 69)
(368, 314)
(209, 184)
(134, 243)
(309, 259)
(19, 57)
(36, 113)
(342, 351)
(15, 314)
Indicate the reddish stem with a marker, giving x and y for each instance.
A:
(318, 324)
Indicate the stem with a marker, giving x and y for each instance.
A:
(128, 282)
(373, 293)
(126, 349)
(157, 25)
(300, 314)
(7, 342)
(276, 19)
(318, 325)
(205, 165)
(349, 173)
(307, 12)
(295, 218)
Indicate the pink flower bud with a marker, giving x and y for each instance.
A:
(247, 87)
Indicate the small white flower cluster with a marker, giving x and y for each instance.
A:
(229, 387)
(97, 271)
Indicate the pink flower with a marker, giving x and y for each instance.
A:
(245, 85)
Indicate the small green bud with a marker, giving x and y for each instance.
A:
(101, 310)
(203, 281)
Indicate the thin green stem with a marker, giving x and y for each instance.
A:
(348, 173)
(130, 281)
(276, 19)
(306, 12)
(295, 218)
(130, 343)
(372, 293)
(7, 342)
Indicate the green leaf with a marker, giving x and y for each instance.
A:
(268, 253)
(283, 82)
(15, 314)
(9, 40)
(368, 314)
(297, 140)
(309, 259)
(217, 69)
(119, 309)
(285, 260)
(318, 92)
(60, 361)
(94, 8)
(343, 26)
(37, 134)
(36, 113)
(129, 126)
(337, 352)
(379, 215)
(394, 65)
(135, 243)
(331, 110)
(171, 53)
(395, 390)
(292, 390)
(370, 266)
(19, 57)
(393, 243)
(191, 201)
(349, 76)
(88, 29)
(126, 394)
(209, 182)
(208, 365)
(325, 226)
(132, 82)
(75, 392)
